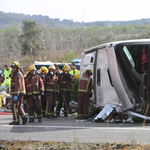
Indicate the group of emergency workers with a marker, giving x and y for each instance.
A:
(42, 88)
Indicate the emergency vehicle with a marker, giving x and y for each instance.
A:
(39, 64)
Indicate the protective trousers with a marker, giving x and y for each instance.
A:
(16, 107)
(50, 98)
(59, 104)
(83, 103)
(64, 97)
(43, 99)
(34, 104)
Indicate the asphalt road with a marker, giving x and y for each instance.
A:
(67, 129)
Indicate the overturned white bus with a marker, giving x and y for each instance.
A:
(121, 73)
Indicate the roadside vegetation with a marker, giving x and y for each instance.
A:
(76, 145)
(39, 43)
(42, 43)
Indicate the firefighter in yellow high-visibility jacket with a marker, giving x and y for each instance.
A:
(74, 70)
(7, 81)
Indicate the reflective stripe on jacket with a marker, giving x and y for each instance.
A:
(65, 81)
(17, 84)
(50, 83)
(85, 84)
(34, 84)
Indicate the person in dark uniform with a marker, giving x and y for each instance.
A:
(85, 87)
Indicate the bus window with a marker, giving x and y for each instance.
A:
(98, 77)
(129, 56)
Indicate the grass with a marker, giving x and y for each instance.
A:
(76, 145)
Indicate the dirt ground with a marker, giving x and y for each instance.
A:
(76, 145)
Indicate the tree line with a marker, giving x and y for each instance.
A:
(6, 18)
(34, 42)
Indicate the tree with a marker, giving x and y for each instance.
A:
(31, 38)
(70, 56)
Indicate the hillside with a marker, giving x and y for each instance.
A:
(6, 18)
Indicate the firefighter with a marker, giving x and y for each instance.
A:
(50, 84)
(57, 71)
(7, 73)
(34, 90)
(2, 79)
(42, 72)
(74, 70)
(17, 92)
(65, 81)
(85, 87)
(74, 90)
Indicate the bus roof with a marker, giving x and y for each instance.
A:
(125, 42)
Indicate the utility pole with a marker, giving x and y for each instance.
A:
(83, 15)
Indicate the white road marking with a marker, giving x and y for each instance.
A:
(80, 127)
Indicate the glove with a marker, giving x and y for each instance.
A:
(90, 94)
(15, 98)
(41, 93)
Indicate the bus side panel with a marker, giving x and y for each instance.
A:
(105, 92)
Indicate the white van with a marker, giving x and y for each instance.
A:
(117, 73)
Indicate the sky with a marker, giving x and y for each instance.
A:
(81, 10)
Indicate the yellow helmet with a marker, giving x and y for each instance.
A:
(77, 75)
(15, 64)
(89, 71)
(43, 70)
(31, 67)
(66, 68)
(52, 67)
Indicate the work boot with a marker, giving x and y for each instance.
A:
(85, 117)
(65, 115)
(24, 119)
(44, 114)
(47, 116)
(79, 117)
(14, 123)
(39, 119)
(53, 116)
(31, 120)
(57, 115)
